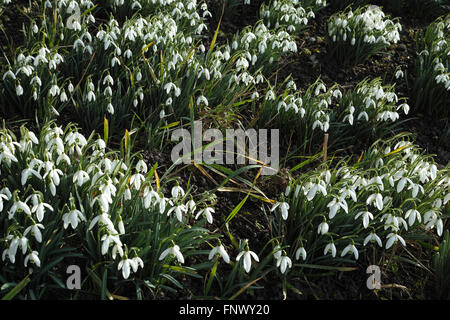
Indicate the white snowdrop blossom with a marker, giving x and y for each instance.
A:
(207, 212)
(284, 263)
(247, 256)
(323, 228)
(301, 252)
(174, 251)
(219, 250)
(373, 237)
(284, 207)
(330, 247)
(350, 249)
(393, 238)
(73, 217)
(34, 258)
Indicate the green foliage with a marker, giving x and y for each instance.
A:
(430, 90)
(441, 267)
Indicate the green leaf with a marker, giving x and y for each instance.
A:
(16, 290)
(211, 277)
(322, 267)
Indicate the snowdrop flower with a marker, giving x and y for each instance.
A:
(34, 257)
(19, 90)
(104, 219)
(18, 206)
(413, 215)
(54, 90)
(26, 174)
(110, 108)
(108, 91)
(375, 199)
(371, 238)
(23, 243)
(136, 262)
(150, 196)
(37, 80)
(439, 226)
(125, 265)
(284, 263)
(284, 207)
(201, 99)
(136, 180)
(219, 250)
(4, 196)
(323, 228)
(39, 209)
(35, 231)
(139, 76)
(177, 191)
(393, 238)
(320, 87)
(431, 219)
(174, 251)
(63, 96)
(10, 74)
(191, 205)
(178, 211)
(277, 252)
(6, 154)
(162, 203)
(115, 61)
(393, 222)
(116, 250)
(80, 177)
(335, 205)
(121, 226)
(401, 184)
(300, 252)
(350, 248)
(141, 167)
(169, 86)
(367, 216)
(330, 247)
(12, 250)
(107, 240)
(311, 189)
(73, 217)
(91, 96)
(207, 213)
(270, 95)
(248, 255)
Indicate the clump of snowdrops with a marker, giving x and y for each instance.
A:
(356, 35)
(333, 214)
(65, 198)
(431, 89)
(302, 116)
(364, 114)
(133, 72)
(368, 112)
(293, 14)
(262, 46)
